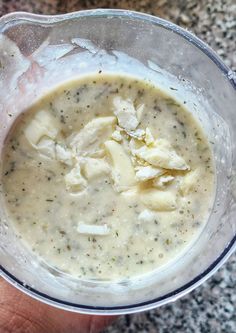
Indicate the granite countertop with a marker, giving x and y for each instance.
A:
(212, 307)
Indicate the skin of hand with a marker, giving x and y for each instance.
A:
(20, 313)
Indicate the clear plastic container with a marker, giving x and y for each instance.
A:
(38, 52)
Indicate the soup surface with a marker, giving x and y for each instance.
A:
(107, 177)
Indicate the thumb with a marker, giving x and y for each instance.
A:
(22, 314)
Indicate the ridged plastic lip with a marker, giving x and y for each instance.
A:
(109, 13)
(14, 18)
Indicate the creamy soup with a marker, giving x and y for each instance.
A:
(108, 177)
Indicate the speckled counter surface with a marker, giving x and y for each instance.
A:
(212, 307)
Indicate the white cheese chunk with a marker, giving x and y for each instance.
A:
(162, 181)
(147, 216)
(43, 124)
(136, 134)
(135, 145)
(74, 180)
(96, 230)
(144, 173)
(162, 156)
(64, 155)
(93, 168)
(126, 113)
(116, 135)
(46, 147)
(139, 112)
(189, 182)
(89, 139)
(159, 200)
(122, 169)
(149, 139)
(98, 153)
(131, 193)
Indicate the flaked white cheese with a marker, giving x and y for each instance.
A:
(189, 182)
(149, 139)
(147, 216)
(90, 229)
(130, 193)
(46, 147)
(144, 173)
(139, 112)
(159, 200)
(136, 134)
(99, 153)
(135, 145)
(122, 169)
(64, 155)
(43, 124)
(125, 112)
(90, 138)
(93, 168)
(116, 135)
(162, 181)
(74, 180)
(162, 156)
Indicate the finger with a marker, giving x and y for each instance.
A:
(21, 313)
